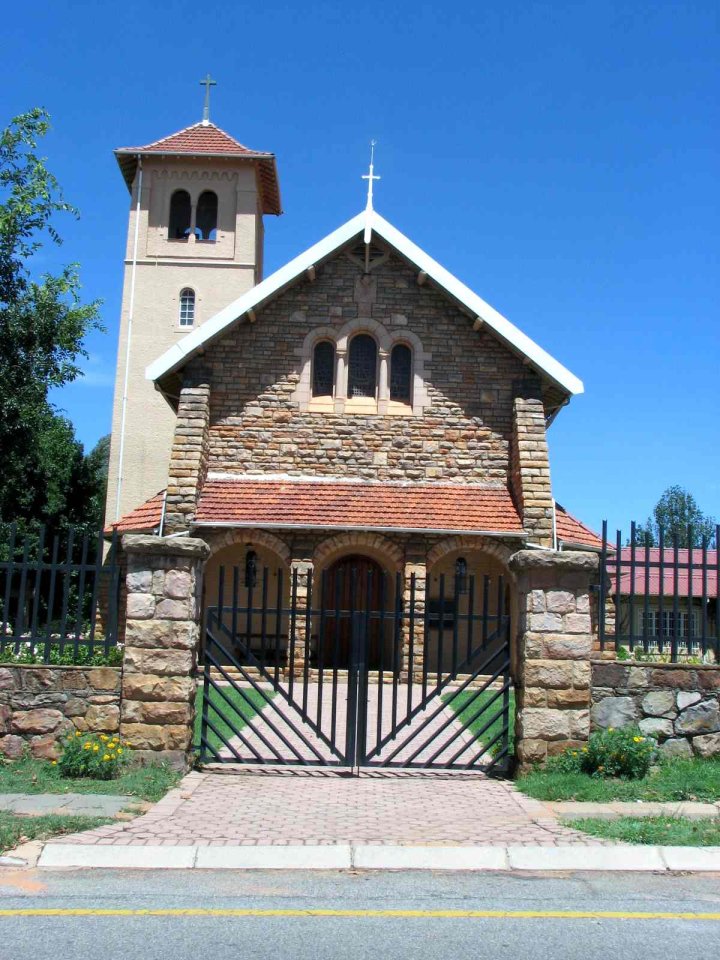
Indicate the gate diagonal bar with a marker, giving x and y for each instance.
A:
(352, 671)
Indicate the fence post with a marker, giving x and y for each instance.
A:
(554, 646)
(161, 639)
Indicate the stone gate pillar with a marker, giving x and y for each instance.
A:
(299, 630)
(552, 656)
(157, 710)
(413, 634)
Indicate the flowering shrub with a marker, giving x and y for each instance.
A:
(624, 753)
(93, 755)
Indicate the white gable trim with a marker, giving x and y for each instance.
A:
(176, 356)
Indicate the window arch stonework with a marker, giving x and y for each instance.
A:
(342, 401)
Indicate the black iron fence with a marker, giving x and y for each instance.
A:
(59, 596)
(658, 597)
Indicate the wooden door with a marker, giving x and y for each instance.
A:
(353, 589)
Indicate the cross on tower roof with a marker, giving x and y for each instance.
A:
(207, 83)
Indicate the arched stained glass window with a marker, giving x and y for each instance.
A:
(401, 373)
(179, 223)
(323, 369)
(207, 215)
(362, 367)
(187, 307)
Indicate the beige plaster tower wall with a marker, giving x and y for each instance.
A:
(218, 271)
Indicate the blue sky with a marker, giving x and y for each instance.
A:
(560, 158)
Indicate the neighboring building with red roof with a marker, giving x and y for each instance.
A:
(360, 402)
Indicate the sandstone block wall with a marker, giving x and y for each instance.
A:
(39, 705)
(161, 640)
(463, 433)
(552, 655)
(677, 703)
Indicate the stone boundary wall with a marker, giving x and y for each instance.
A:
(677, 703)
(39, 705)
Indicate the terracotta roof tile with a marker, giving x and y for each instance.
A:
(343, 504)
(207, 140)
(651, 574)
(571, 530)
(143, 519)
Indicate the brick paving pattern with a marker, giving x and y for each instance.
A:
(246, 807)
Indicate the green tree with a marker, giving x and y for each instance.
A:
(677, 514)
(42, 328)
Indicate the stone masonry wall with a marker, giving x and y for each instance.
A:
(39, 705)
(161, 640)
(253, 370)
(530, 470)
(677, 703)
(188, 458)
(552, 655)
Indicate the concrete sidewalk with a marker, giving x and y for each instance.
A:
(70, 804)
(638, 809)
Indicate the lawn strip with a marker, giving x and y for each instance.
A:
(238, 714)
(15, 829)
(656, 831)
(29, 775)
(674, 779)
(468, 702)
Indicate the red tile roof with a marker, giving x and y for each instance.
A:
(651, 574)
(143, 519)
(207, 140)
(357, 505)
(571, 530)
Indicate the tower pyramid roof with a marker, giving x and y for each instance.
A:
(205, 139)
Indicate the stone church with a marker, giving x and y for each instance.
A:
(360, 405)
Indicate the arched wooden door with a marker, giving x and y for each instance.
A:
(355, 595)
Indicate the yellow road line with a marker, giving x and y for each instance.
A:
(360, 914)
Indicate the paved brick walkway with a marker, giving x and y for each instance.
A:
(303, 807)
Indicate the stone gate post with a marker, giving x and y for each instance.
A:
(157, 710)
(554, 645)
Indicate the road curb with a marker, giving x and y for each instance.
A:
(625, 858)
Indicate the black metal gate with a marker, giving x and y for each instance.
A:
(356, 669)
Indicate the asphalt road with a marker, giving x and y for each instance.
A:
(261, 914)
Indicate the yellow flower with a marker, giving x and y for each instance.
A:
(119, 749)
(584, 749)
(637, 739)
(611, 729)
(103, 737)
(106, 757)
(54, 763)
(77, 733)
(96, 748)
(87, 746)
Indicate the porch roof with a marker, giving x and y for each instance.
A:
(364, 505)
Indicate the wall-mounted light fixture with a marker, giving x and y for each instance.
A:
(250, 569)
(461, 575)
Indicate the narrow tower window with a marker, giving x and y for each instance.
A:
(401, 373)
(362, 367)
(323, 369)
(187, 307)
(207, 215)
(179, 224)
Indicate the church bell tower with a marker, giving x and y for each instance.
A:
(194, 244)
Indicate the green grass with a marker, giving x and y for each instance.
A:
(29, 775)
(15, 829)
(241, 708)
(663, 831)
(466, 704)
(677, 779)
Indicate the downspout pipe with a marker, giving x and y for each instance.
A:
(126, 381)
